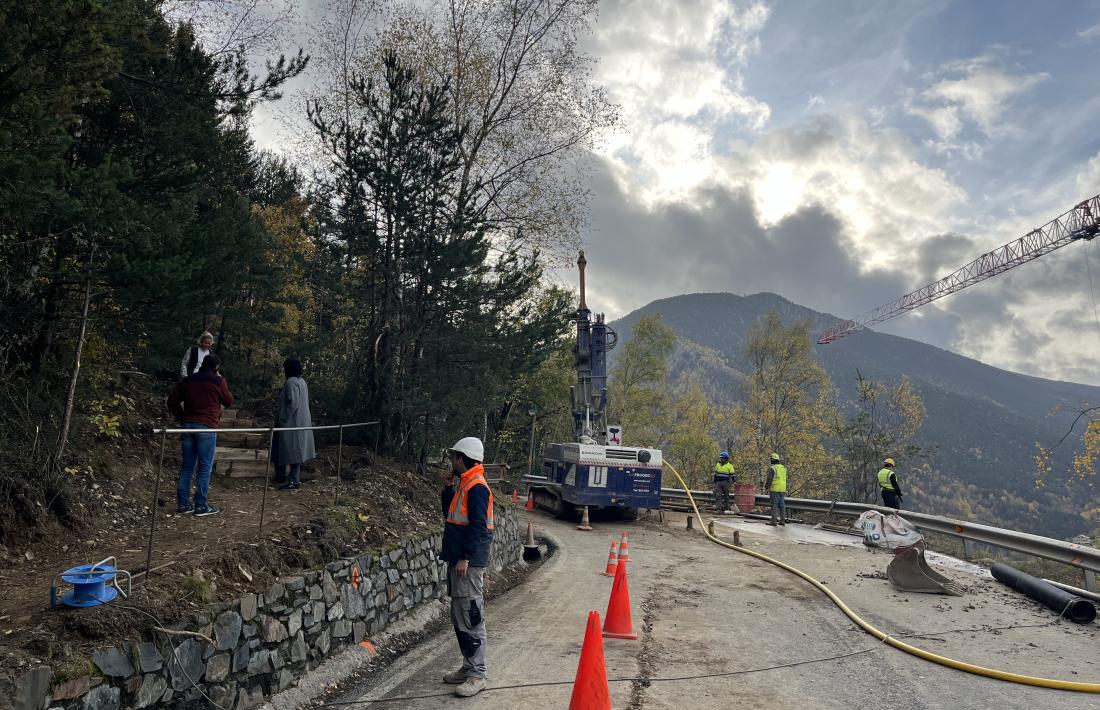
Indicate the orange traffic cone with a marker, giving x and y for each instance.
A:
(617, 623)
(590, 691)
(530, 501)
(530, 536)
(624, 555)
(584, 520)
(612, 563)
(515, 496)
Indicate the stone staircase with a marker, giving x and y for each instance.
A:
(240, 454)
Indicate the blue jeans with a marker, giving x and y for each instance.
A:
(198, 450)
(779, 506)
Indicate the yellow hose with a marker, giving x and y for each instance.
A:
(886, 638)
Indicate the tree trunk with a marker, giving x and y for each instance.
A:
(63, 437)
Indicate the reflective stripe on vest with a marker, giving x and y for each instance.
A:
(779, 478)
(884, 480)
(723, 469)
(459, 512)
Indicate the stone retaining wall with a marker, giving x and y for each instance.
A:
(264, 642)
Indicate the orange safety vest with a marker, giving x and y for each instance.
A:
(459, 513)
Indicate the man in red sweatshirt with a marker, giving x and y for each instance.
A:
(197, 402)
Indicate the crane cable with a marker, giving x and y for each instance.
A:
(886, 638)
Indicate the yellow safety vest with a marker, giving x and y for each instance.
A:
(723, 469)
(884, 480)
(779, 478)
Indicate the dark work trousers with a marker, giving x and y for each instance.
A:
(468, 617)
(722, 496)
(890, 499)
(779, 507)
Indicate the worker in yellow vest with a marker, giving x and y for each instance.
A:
(777, 491)
(723, 479)
(888, 483)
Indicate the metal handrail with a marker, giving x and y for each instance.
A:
(271, 431)
(1080, 556)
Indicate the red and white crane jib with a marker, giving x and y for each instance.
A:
(1081, 222)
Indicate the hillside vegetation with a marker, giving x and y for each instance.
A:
(978, 437)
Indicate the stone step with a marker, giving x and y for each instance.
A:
(246, 469)
(242, 440)
(229, 414)
(241, 423)
(233, 453)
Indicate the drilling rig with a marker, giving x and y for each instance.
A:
(595, 470)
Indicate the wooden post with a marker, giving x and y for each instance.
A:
(267, 477)
(153, 511)
(339, 466)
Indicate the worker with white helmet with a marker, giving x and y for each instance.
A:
(888, 483)
(468, 508)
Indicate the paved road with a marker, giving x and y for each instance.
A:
(706, 611)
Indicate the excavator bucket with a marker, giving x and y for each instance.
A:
(909, 571)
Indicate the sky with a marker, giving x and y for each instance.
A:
(841, 153)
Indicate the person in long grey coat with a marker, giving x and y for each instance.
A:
(292, 448)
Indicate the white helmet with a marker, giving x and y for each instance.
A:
(472, 447)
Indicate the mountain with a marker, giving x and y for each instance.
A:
(981, 426)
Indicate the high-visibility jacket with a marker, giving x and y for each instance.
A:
(723, 471)
(464, 535)
(884, 480)
(779, 478)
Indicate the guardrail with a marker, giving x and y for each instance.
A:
(270, 431)
(1082, 557)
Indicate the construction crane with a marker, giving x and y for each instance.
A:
(1081, 222)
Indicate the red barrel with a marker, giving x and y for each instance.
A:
(744, 494)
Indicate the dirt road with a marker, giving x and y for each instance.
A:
(710, 619)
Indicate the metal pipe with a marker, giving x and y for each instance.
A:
(339, 467)
(260, 430)
(267, 478)
(153, 512)
(1076, 591)
(1072, 607)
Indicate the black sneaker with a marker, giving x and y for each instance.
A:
(290, 486)
(184, 510)
(208, 510)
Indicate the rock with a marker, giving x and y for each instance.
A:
(323, 642)
(223, 695)
(277, 660)
(102, 698)
(275, 593)
(285, 679)
(318, 612)
(273, 630)
(112, 662)
(277, 608)
(297, 584)
(298, 649)
(248, 607)
(336, 611)
(149, 657)
(240, 659)
(152, 688)
(32, 687)
(217, 668)
(328, 589)
(352, 602)
(358, 631)
(394, 575)
(227, 631)
(294, 623)
(247, 700)
(186, 666)
(260, 662)
(249, 630)
(315, 592)
(334, 567)
(74, 688)
(167, 697)
(341, 629)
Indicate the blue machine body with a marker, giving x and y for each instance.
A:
(604, 476)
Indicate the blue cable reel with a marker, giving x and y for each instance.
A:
(92, 585)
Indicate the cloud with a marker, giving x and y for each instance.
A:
(976, 90)
(674, 66)
(1090, 32)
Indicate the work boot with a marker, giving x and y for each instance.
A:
(782, 522)
(772, 523)
(455, 677)
(471, 687)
